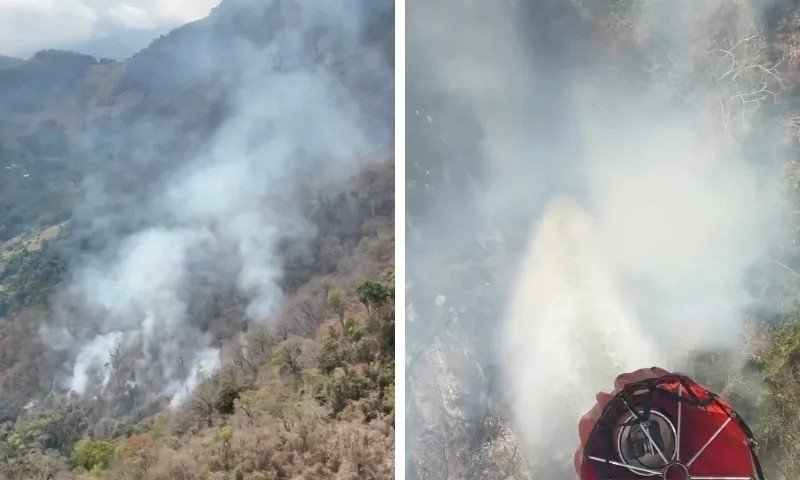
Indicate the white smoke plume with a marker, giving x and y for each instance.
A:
(648, 267)
(214, 227)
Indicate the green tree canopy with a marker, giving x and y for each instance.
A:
(374, 294)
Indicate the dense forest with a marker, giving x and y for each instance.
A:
(197, 252)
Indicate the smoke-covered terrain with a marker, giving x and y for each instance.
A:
(192, 209)
(600, 187)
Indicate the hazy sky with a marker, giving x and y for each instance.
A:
(113, 28)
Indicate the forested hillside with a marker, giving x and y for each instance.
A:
(196, 252)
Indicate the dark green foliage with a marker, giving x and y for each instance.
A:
(386, 374)
(387, 337)
(11, 221)
(5, 304)
(374, 295)
(386, 384)
(45, 197)
(227, 395)
(28, 278)
(330, 358)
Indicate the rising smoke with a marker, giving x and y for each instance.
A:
(629, 187)
(210, 228)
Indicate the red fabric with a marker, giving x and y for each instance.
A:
(727, 455)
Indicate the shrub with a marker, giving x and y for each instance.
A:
(386, 374)
(228, 394)
(336, 302)
(344, 386)
(93, 455)
(287, 355)
(374, 295)
(226, 433)
(388, 397)
(354, 333)
(330, 358)
(315, 385)
(334, 298)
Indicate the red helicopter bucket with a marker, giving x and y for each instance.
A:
(664, 426)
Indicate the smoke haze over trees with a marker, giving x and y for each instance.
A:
(172, 225)
(599, 187)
